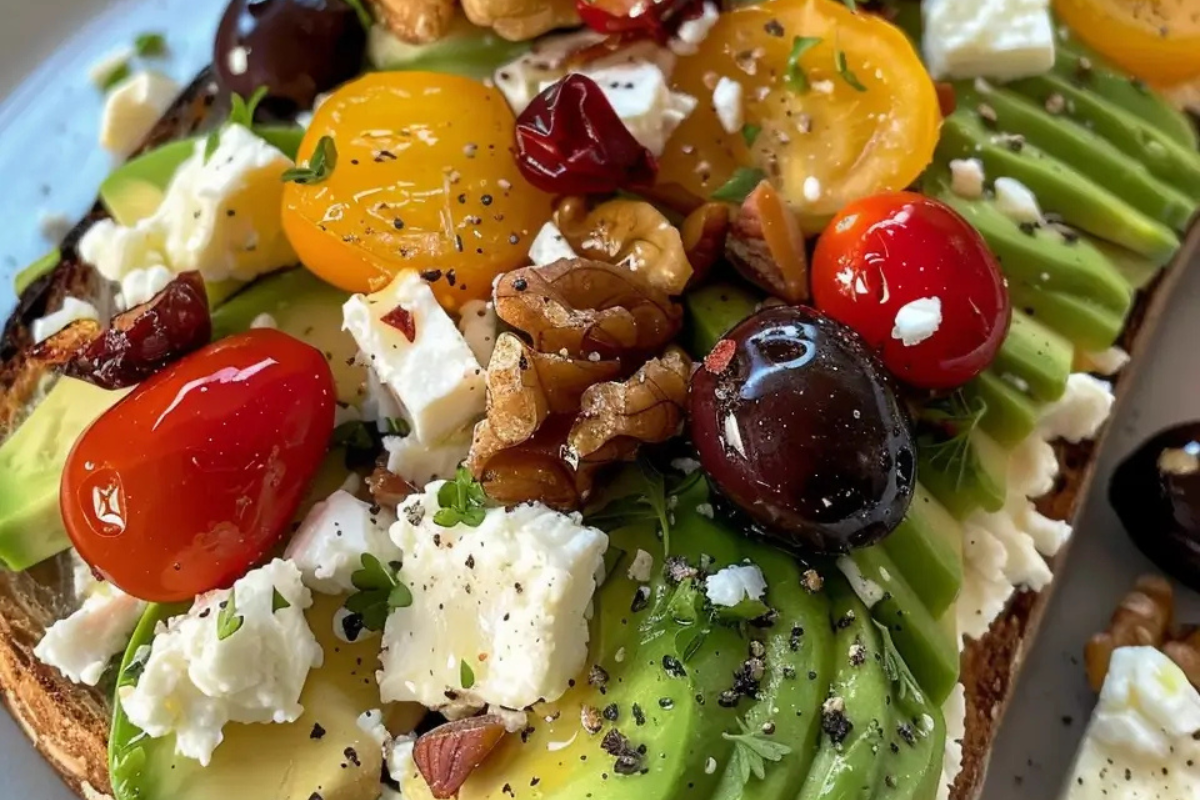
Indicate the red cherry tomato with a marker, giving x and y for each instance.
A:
(918, 283)
(190, 480)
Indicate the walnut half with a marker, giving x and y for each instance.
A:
(1142, 619)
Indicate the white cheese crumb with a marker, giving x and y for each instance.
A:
(732, 585)
(967, 177)
(264, 320)
(132, 108)
(642, 567)
(141, 285)
(1017, 202)
(918, 320)
(73, 309)
(549, 246)
(1080, 412)
(693, 32)
(727, 101)
(238, 60)
(331, 541)
(812, 189)
(867, 590)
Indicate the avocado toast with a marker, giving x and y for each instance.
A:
(689, 702)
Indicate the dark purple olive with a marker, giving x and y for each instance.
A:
(296, 48)
(1156, 493)
(797, 424)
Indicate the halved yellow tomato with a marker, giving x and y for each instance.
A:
(424, 179)
(1155, 40)
(853, 114)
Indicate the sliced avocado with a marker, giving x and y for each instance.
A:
(31, 463)
(712, 310)
(1011, 415)
(465, 49)
(1083, 150)
(277, 761)
(929, 652)
(1137, 270)
(965, 473)
(37, 269)
(1165, 157)
(305, 307)
(1076, 62)
(135, 189)
(1079, 200)
(927, 550)
(1037, 356)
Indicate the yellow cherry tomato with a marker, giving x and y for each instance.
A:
(1156, 40)
(854, 114)
(424, 179)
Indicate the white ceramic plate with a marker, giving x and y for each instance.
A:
(52, 165)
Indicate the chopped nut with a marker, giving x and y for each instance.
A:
(1142, 619)
(812, 581)
(521, 20)
(388, 488)
(448, 754)
(1186, 653)
(766, 245)
(532, 470)
(416, 21)
(703, 233)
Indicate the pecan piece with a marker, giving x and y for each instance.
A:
(766, 245)
(590, 309)
(448, 754)
(616, 417)
(1142, 619)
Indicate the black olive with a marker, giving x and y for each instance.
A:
(1156, 494)
(296, 48)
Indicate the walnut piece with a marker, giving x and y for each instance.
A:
(520, 20)
(447, 755)
(416, 21)
(616, 417)
(1186, 653)
(766, 245)
(1142, 619)
(536, 469)
(631, 233)
(703, 233)
(387, 488)
(590, 309)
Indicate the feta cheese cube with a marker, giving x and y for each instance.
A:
(73, 309)
(509, 598)
(131, 109)
(220, 215)
(435, 375)
(732, 585)
(692, 32)
(331, 541)
(642, 567)
(1003, 39)
(82, 645)
(140, 285)
(1105, 362)
(195, 682)
(967, 177)
(419, 463)
(549, 246)
(727, 102)
(1017, 201)
(264, 320)
(478, 324)
(918, 320)
(1080, 412)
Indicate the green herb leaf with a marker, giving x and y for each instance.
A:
(241, 112)
(397, 426)
(742, 183)
(400, 597)
(751, 750)
(150, 45)
(839, 61)
(897, 671)
(687, 602)
(353, 435)
(462, 501)
(688, 642)
(229, 621)
(119, 73)
(136, 666)
(744, 611)
(211, 144)
(278, 602)
(466, 675)
(945, 441)
(651, 503)
(379, 592)
(320, 164)
(364, 15)
(750, 133)
(794, 75)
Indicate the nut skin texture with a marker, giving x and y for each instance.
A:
(1143, 619)
(799, 428)
(448, 754)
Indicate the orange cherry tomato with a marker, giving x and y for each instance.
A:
(821, 139)
(425, 180)
(1155, 40)
(192, 478)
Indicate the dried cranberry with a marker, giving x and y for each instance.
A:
(146, 338)
(655, 18)
(571, 141)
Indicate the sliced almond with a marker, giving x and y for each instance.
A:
(448, 754)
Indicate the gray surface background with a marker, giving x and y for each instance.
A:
(50, 163)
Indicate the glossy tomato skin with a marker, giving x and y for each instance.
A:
(882, 253)
(190, 480)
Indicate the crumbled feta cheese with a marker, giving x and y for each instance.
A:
(642, 567)
(420, 463)
(1002, 39)
(685, 465)
(727, 102)
(331, 541)
(1105, 362)
(371, 723)
(514, 721)
(398, 755)
(264, 320)
(509, 597)
(132, 108)
(1080, 412)
(82, 645)
(73, 309)
(140, 285)
(967, 177)
(478, 324)
(692, 32)
(549, 246)
(1016, 201)
(918, 320)
(220, 215)
(732, 585)
(195, 682)
(435, 376)
(867, 590)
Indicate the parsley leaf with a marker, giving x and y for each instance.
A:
(229, 621)
(320, 164)
(353, 435)
(136, 666)
(150, 45)
(466, 675)
(379, 591)
(895, 668)
(794, 75)
(750, 133)
(752, 750)
(278, 602)
(740, 184)
(947, 447)
(364, 16)
(839, 61)
(462, 501)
